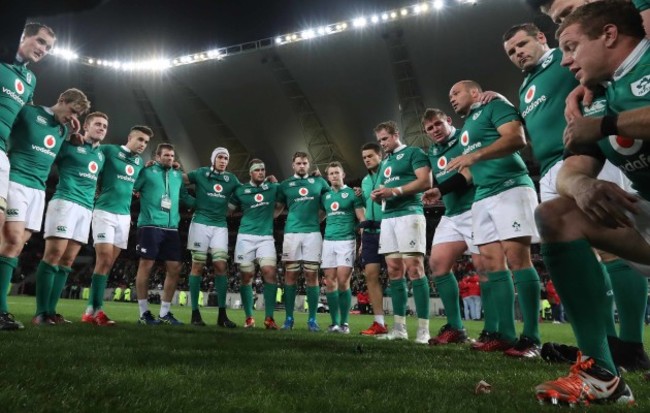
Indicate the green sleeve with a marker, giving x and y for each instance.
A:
(140, 181)
(503, 113)
(187, 200)
(280, 197)
(419, 159)
(191, 176)
(358, 202)
(641, 5)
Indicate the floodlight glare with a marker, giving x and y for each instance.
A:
(404, 12)
(384, 16)
(359, 22)
(393, 15)
(438, 4)
(416, 9)
(322, 30)
(374, 19)
(424, 7)
(90, 61)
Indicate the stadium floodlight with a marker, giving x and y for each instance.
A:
(321, 30)
(438, 4)
(294, 37)
(91, 61)
(359, 22)
(374, 19)
(424, 7)
(278, 40)
(384, 16)
(393, 15)
(215, 53)
(416, 9)
(308, 34)
(404, 12)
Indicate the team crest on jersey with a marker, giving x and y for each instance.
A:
(292, 184)
(335, 206)
(129, 170)
(40, 119)
(641, 87)
(476, 115)
(93, 167)
(218, 188)
(344, 195)
(310, 180)
(49, 142)
(328, 196)
(464, 138)
(547, 61)
(442, 162)
(247, 191)
(137, 161)
(28, 78)
(265, 187)
(387, 172)
(303, 191)
(259, 198)
(400, 156)
(625, 146)
(19, 86)
(226, 178)
(530, 94)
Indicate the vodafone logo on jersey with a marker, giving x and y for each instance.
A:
(625, 146)
(530, 94)
(303, 191)
(259, 198)
(442, 162)
(19, 86)
(464, 139)
(334, 206)
(49, 142)
(218, 188)
(129, 170)
(387, 172)
(92, 167)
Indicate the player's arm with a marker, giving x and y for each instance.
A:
(360, 213)
(602, 201)
(511, 140)
(587, 130)
(186, 200)
(279, 207)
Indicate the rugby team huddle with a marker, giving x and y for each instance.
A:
(582, 108)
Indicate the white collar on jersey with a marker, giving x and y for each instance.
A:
(48, 110)
(544, 56)
(301, 177)
(125, 148)
(446, 141)
(341, 188)
(632, 59)
(399, 148)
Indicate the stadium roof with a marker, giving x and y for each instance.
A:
(255, 102)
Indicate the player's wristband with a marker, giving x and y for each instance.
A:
(608, 125)
(455, 183)
(400, 190)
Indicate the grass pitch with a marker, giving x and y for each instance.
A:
(83, 368)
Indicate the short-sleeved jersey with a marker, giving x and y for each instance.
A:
(493, 176)
(79, 168)
(153, 184)
(542, 98)
(373, 209)
(213, 190)
(440, 155)
(18, 84)
(302, 196)
(398, 169)
(257, 204)
(35, 140)
(642, 5)
(630, 90)
(340, 207)
(118, 176)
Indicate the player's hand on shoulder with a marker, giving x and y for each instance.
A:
(76, 139)
(357, 191)
(431, 196)
(272, 179)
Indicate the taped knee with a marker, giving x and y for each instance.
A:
(393, 255)
(3, 205)
(268, 262)
(311, 266)
(199, 257)
(412, 255)
(293, 266)
(219, 255)
(246, 267)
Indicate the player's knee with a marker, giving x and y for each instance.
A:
(550, 217)
(246, 267)
(199, 257)
(3, 206)
(219, 255)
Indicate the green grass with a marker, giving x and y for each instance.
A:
(83, 368)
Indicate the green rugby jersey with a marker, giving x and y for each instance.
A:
(398, 169)
(642, 5)
(18, 85)
(340, 207)
(153, 184)
(630, 89)
(373, 209)
(213, 190)
(121, 169)
(542, 98)
(257, 204)
(439, 156)
(35, 140)
(302, 197)
(79, 167)
(493, 176)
